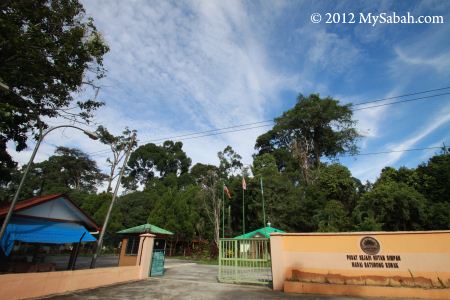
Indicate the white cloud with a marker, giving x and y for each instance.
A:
(194, 66)
(368, 167)
(440, 62)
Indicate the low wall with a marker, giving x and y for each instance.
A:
(29, 285)
(126, 260)
(399, 260)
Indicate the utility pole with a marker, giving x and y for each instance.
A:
(108, 215)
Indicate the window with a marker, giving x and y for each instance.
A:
(132, 245)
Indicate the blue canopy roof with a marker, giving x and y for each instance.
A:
(42, 231)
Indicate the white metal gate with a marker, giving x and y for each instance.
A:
(245, 261)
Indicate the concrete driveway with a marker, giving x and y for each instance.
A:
(185, 280)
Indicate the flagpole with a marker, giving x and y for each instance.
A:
(223, 210)
(243, 211)
(229, 220)
(264, 210)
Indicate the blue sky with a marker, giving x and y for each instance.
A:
(177, 67)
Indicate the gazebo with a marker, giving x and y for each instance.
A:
(130, 244)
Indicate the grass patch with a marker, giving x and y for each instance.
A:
(198, 260)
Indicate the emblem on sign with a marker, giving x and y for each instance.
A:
(370, 245)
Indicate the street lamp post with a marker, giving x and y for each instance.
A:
(41, 137)
(108, 214)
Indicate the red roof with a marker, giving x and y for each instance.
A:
(39, 200)
(28, 203)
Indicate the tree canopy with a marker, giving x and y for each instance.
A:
(313, 128)
(49, 50)
(150, 160)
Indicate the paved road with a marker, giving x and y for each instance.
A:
(185, 280)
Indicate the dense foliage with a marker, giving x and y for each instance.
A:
(48, 51)
(189, 203)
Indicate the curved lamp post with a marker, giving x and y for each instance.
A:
(41, 137)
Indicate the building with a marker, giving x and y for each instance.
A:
(44, 220)
(130, 242)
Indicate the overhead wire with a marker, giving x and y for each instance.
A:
(218, 131)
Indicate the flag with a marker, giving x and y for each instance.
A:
(244, 184)
(227, 191)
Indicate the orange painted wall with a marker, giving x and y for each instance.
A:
(126, 260)
(322, 257)
(29, 285)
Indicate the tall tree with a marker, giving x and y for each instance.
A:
(119, 146)
(396, 206)
(67, 170)
(229, 162)
(150, 160)
(210, 187)
(49, 49)
(76, 169)
(313, 128)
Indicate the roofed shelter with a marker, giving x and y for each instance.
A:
(49, 219)
(253, 249)
(130, 242)
(263, 232)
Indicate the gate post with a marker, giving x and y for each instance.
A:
(144, 258)
(276, 255)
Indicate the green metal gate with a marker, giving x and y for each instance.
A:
(245, 261)
(157, 268)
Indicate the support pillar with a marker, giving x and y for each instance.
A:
(144, 259)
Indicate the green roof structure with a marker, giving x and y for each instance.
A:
(261, 232)
(146, 228)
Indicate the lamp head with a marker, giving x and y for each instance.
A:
(91, 135)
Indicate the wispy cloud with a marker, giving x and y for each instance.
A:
(369, 167)
(440, 62)
(181, 67)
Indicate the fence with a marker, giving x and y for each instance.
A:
(245, 261)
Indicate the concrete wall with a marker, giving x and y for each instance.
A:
(28, 285)
(404, 259)
(126, 260)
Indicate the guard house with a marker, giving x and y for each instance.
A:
(130, 243)
(253, 249)
(51, 219)
(263, 232)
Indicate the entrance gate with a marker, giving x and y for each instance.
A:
(157, 267)
(245, 261)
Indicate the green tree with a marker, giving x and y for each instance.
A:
(396, 206)
(176, 211)
(48, 51)
(333, 217)
(229, 162)
(76, 170)
(434, 178)
(149, 161)
(119, 146)
(68, 169)
(434, 184)
(313, 128)
(335, 182)
(264, 164)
